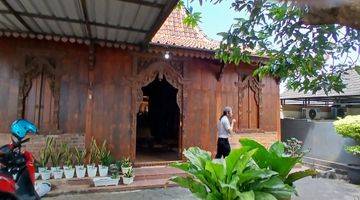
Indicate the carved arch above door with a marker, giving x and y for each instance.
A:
(160, 69)
(252, 83)
(33, 67)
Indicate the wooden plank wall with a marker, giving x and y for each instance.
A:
(106, 113)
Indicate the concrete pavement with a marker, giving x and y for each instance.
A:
(308, 189)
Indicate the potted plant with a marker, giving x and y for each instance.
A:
(56, 156)
(128, 177)
(93, 159)
(105, 160)
(80, 158)
(68, 167)
(44, 155)
(350, 127)
(43, 161)
(126, 165)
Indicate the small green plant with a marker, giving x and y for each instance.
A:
(129, 173)
(104, 155)
(93, 156)
(44, 157)
(293, 148)
(125, 163)
(45, 152)
(69, 157)
(57, 153)
(80, 156)
(118, 164)
(114, 171)
(350, 127)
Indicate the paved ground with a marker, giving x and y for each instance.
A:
(309, 189)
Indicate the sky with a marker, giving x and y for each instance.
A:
(215, 18)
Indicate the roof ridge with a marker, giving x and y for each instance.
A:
(175, 32)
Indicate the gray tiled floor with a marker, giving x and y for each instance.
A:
(309, 189)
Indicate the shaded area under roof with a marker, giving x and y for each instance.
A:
(127, 21)
(352, 81)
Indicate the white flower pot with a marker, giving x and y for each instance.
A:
(69, 172)
(80, 171)
(41, 169)
(105, 181)
(58, 174)
(53, 169)
(128, 180)
(45, 175)
(124, 170)
(91, 170)
(103, 170)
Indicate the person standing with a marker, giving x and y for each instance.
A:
(225, 128)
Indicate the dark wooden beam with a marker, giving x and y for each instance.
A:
(86, 18)
(12, 11)
(164, 13)
(47, 17)
(144, 3)
(221, 72)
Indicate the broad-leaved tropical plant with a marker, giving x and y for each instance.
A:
(238, 176)
(277, 160)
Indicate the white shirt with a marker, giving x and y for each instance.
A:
(224, 127)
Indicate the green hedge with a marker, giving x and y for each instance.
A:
(350, 127)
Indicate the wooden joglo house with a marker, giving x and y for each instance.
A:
(128, 71)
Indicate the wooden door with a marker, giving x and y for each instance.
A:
(248, 106)
(39, 105)
(253, 110)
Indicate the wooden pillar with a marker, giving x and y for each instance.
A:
(89, 104)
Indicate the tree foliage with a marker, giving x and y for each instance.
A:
(350, 127)
(308, 57)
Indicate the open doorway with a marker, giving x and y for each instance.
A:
(158, 123)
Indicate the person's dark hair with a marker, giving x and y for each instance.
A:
(224, 114)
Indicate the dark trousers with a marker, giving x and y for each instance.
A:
(223, 147)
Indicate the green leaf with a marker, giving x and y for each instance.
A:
(272, 160)
(299, 175)
(250, 195)
(278, 148)
(264, 196)
(217, 170)
(195, 187)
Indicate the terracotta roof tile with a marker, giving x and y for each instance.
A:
(174, 32)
